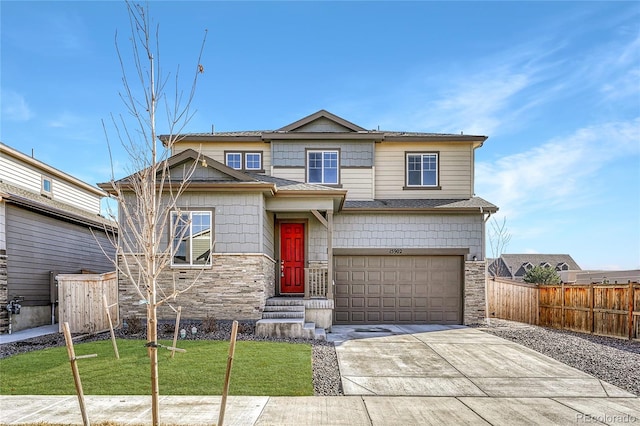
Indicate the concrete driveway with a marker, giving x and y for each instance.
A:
(469, 377)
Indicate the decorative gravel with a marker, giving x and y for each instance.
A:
(615, 361)
(326, 374)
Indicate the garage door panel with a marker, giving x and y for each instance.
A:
(389, 289)
(357, 289)
(357, 317)
(399, 289)
(389, 317)
(420, 303)
(358, 276)
(374, 276)
(405, 289)
(357, 302)
(405, 302)
(374, 317)
(374, 289)
(373, 302)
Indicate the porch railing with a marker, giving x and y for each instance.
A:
(316, 282)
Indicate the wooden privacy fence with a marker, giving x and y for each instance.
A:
(603, 309)
(81, 301)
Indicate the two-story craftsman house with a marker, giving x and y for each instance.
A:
(353, 226)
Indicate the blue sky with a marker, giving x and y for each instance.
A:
(555, 86)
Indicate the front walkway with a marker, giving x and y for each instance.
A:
(410, 375)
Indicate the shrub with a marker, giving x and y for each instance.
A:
(541, 275)
(209, 324)
(133, 325)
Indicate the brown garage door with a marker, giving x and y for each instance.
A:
(398, 289)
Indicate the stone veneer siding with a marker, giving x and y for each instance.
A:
(474, 292)
(235, 288)
(4, 293)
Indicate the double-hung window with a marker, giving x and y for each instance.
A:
(244, 160)
(191, 238)
(322, 167)
(422, 170)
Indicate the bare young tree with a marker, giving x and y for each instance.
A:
(499, 238)
(148, 195)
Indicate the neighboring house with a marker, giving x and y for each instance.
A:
(515, 266)
(601, 276)
(359, 226)
(50, 223)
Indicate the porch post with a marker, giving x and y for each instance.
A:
(330, 254)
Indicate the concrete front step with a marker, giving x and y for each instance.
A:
(283, 314)
(289, 328)
(284, 317)
(285, 308)
(284, 301)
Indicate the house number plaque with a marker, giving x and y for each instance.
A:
(395, 251)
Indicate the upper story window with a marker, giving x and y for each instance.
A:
(47, 186)
(191, 238)
(322, 167)
(422, 170)
(244, 160)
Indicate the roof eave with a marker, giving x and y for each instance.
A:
(436, 138)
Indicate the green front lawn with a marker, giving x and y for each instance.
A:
(259, 368)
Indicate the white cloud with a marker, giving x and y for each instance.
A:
(15, 107)
(64, 120)
(560, 173)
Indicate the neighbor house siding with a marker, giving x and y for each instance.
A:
(66, 193)
(216, 150)
(409, 230)
(28, 177)
(455, 171)
(38, 244)
(3, 222)
(19, 174)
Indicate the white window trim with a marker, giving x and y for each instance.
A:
(246, 162)
(422, 154)
(189, 255)
(226, 159)
(324, 151)
(243, 160)
(43, 191)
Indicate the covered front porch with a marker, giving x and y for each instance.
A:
(303, 247)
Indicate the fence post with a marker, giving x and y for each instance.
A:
(562, 306)
(537, 295)
(630, 310)
(592, 325)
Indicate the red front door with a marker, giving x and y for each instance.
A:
(292, 258)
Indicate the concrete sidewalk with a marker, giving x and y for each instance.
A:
(409, 375)
(319, 410)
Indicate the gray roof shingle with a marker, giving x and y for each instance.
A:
(470, 203)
